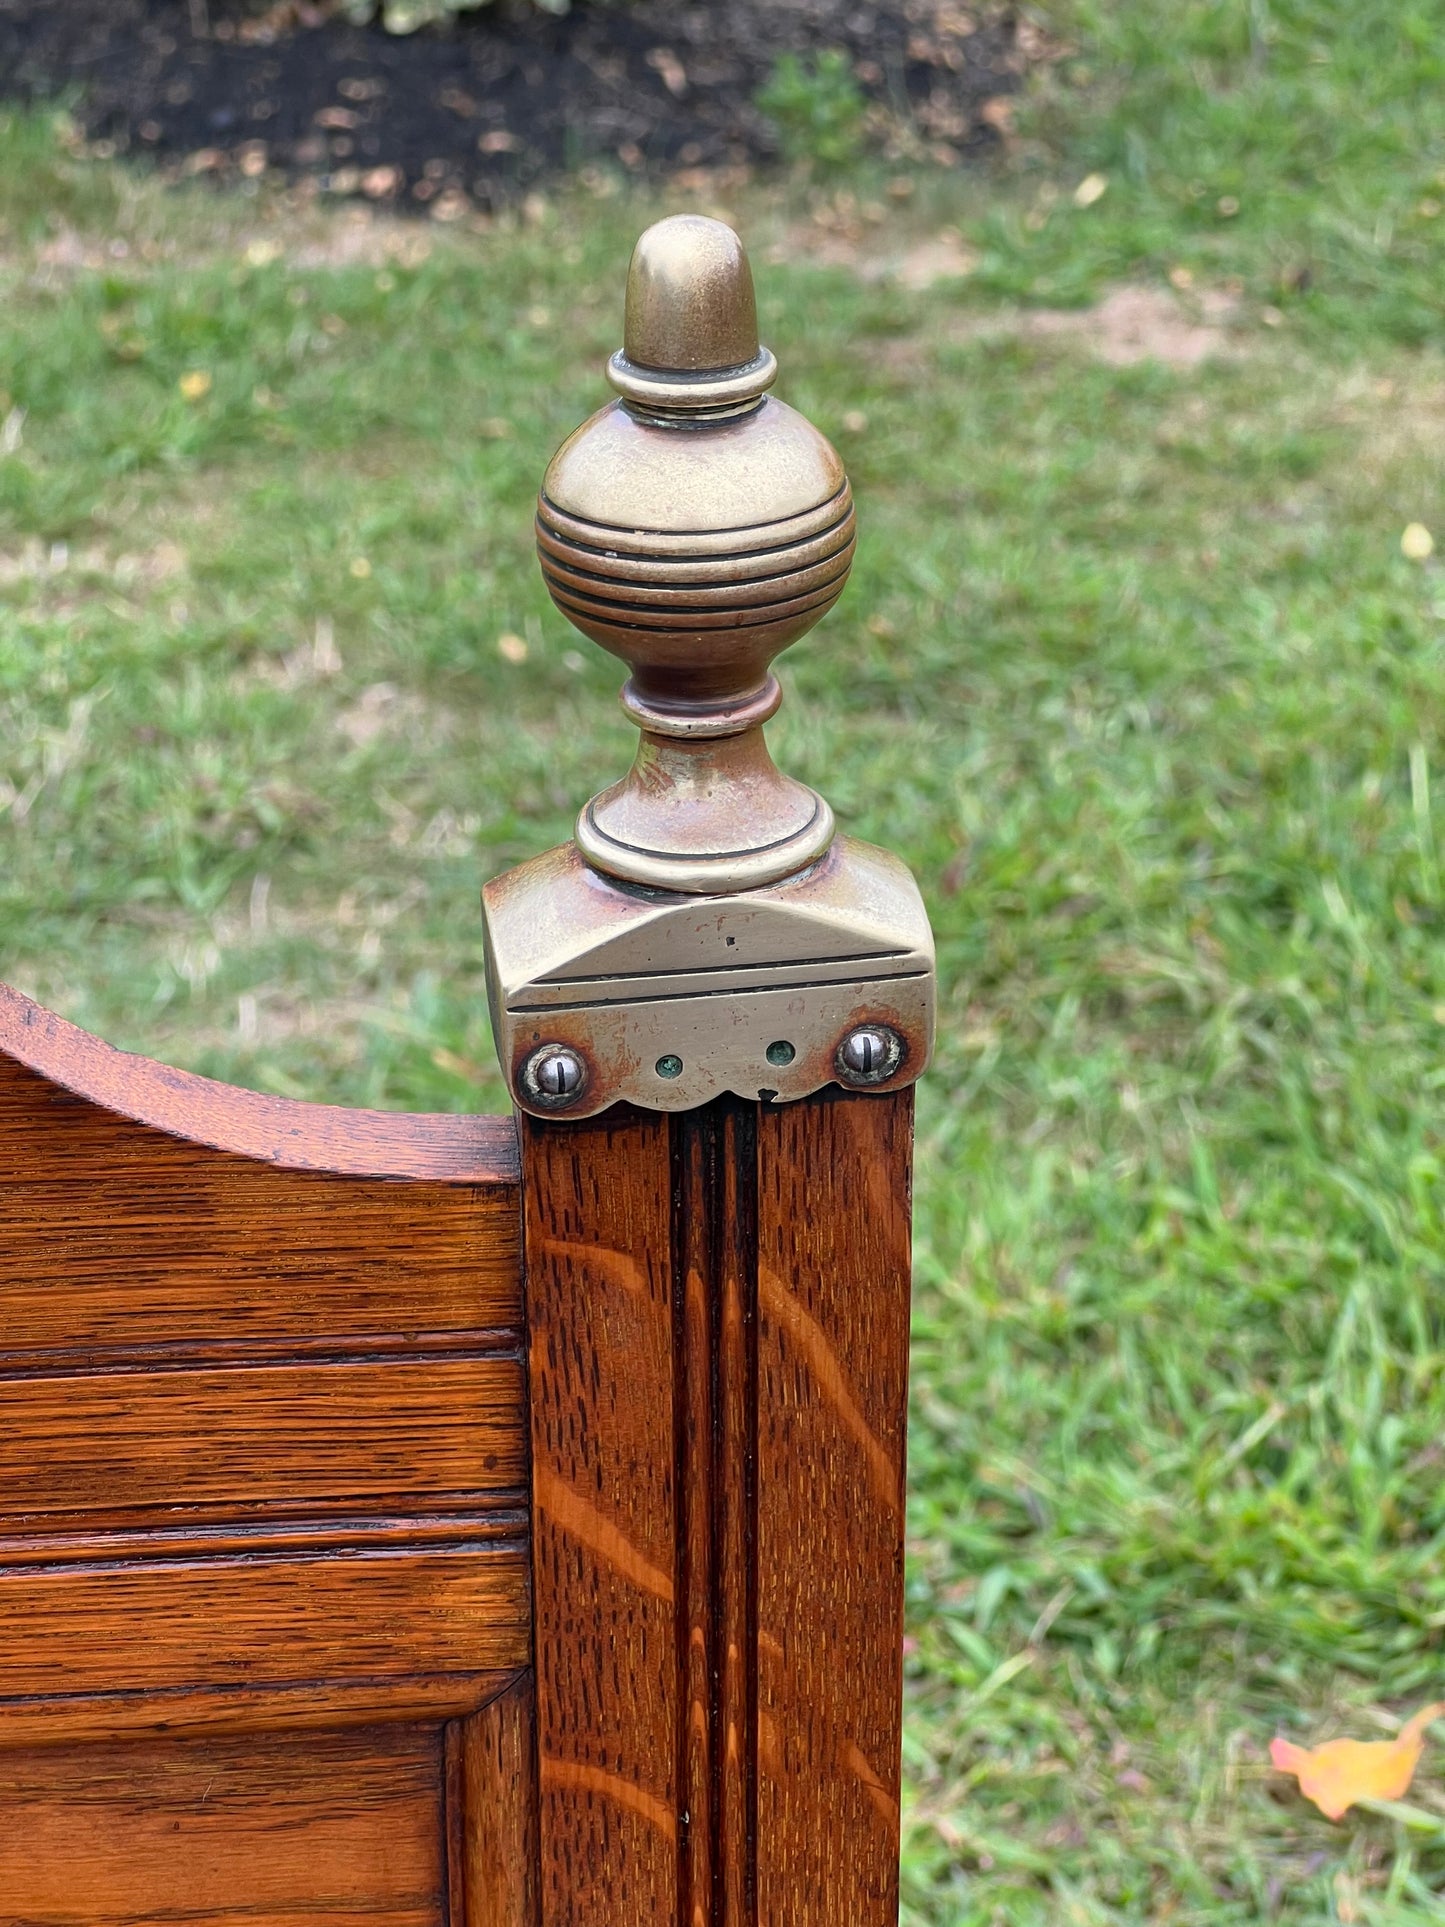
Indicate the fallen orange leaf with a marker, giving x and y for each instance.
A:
(1341, 1772)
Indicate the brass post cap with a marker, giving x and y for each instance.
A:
(691, 333)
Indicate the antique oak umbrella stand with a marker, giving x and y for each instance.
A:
(422, 1520)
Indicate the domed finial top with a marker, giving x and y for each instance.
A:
(690, 301)
(692, 321)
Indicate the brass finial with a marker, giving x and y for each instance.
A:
(695, 528)
(691, 335)
(706, 931)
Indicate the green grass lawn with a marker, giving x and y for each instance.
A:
(1132, 670)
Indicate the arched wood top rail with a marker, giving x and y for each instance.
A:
(280, 1131)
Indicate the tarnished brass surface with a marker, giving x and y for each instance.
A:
(707, 931)
(631, 981)
(684, 777)
(690, 300)
(696, 534)
(691, 337)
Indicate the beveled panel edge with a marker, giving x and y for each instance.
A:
(64, 1720)
(435, 1147)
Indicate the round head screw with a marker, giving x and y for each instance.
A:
(871, 1054)
(554, 1076)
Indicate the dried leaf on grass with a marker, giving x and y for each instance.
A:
(1342, 1772)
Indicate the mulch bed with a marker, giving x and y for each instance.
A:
(452, 121)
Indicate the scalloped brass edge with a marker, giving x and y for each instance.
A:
(630, 980)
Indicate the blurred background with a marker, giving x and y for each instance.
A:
(1129, 322)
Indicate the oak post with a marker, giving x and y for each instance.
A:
(711, 1009)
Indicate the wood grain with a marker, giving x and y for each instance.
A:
(257, 1618)
(402, 1430)
(600, 1308)
(714, 1155)
(125, 1236)
(834, 1240)
(499, 1807)
(718, 1315)
(264, 1555)
(248, 1124)
(270, 1706)
(285, 1829)
(259, 1424)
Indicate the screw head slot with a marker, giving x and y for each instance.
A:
(553, 1077)
(871, 1054)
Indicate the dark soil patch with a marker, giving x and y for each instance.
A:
(465, 118)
